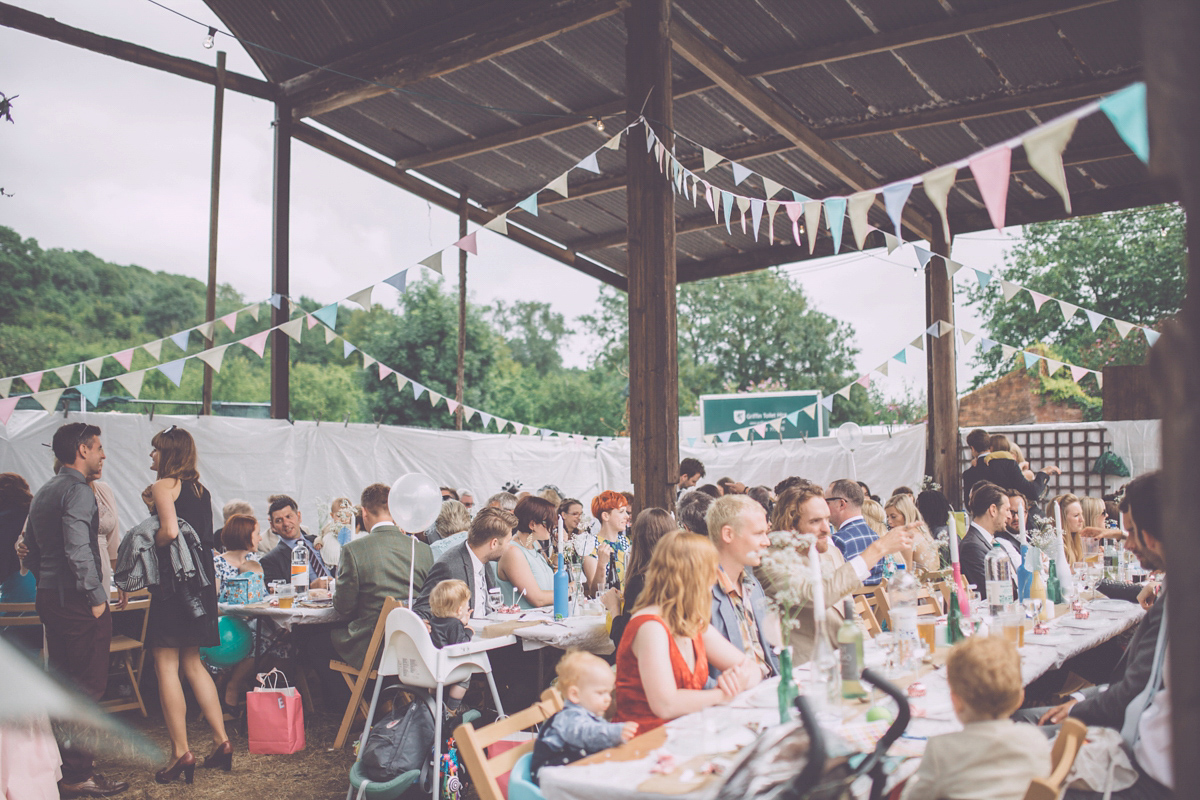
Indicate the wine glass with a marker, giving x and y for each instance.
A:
(1079, 570)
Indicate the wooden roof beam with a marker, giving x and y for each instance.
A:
(470, 37)
(50, 28)
(385, 171)
(840, 51)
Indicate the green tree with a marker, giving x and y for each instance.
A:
(1130, 265)
(533, 332)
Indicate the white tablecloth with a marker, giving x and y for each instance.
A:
(285, 618)
(582, 632)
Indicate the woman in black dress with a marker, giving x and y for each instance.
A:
(173, 634)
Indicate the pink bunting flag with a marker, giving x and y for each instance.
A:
(230, 321)
(1077, 373)
(451, 406)
(468, 243)
(124, 358)
(312, 321)
(864, 381)
(794, 210)
(384, 370)
(7, 406)
(34, 379)
(257, 342)
(991, 172)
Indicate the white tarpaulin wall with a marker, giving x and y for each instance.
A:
(251, 459)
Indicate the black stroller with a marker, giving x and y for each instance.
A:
(767, 770)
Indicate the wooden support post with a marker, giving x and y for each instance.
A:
(463, 208)
(653, 368)
(210, 300)
(281, 406)
(1173, 101)
(942, 397)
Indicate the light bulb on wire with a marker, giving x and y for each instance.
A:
(209, 40)
(600, 125)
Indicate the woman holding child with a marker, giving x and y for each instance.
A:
(663, 659)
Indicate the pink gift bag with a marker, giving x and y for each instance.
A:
(274, 716)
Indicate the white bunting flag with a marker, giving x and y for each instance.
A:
(1009, 288)
(95, 365)
(362, 297)
(49, 398)
(1123, 328)
(770, 187)
(1053, 366)
(132, 381)
(293, 329)
(368, 361)
(559, 185)
(858, 206)
(153, 348)
(499, 224)
(214, 357)
(1068, 309)
(64, 373)
(1044, 149)
(937, 184)
(1038, 298)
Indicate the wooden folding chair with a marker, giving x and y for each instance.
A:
(1062, 757)
(863, 609)
(133, 655)
(22, 615)
(877, 599)
(358, 677)
(928, 603)
(473, 744)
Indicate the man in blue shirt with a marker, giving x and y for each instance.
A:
(845, 499)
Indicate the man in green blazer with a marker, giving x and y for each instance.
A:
(371, 569)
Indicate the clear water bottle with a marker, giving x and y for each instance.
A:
(903, 593)
(1111, 561)
(300, 570)
(998, 571)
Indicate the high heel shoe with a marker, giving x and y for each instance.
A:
(186, 764)
(221, 758)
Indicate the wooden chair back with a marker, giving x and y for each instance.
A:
(1062, 757)
(18, 615)
(131, 651)
(863, 609)
(929, 603)
(877, 599)
(473, 744)
(358, 677)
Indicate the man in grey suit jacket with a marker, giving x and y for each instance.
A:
(72, 599)
(491, 532)
(372, 569)
(737, 526)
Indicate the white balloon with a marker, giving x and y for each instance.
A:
(414, 501)
(849, 435)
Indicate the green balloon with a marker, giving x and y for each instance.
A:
(236, 642)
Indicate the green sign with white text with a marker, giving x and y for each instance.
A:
(722, 413)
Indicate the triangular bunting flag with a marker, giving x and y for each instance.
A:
(835, 218)
(1044, 148)
(1094, 318)
(772, 207)
(589, 163)
(64, 373)
(756, 212)
(33, 380)
(180, 339)
(937, 185)
(1151, 336)
(5, 386)
(1127, 111)
(711, 159)
(311, 321)
(384, 370)
(230, 321)
(1123, 328)
(327, 315)
(934, 330)
(614, 143)
(892, 242)
(451, 405)
(882, 369)
(49, 398)
(399, 281)
(986, 343)
(468, 243)
(417, 390)
(724, 437)
(760, 428)
(827, 403)
(1053, 366)
(740, 173)
(433, 262)
(401, 382)
(845, 390)
(276, 299)
(347, 349)
(362, 297)
(991, 172)
(1099, 379)
(330, 335)
(983, 278)
(6, 409)
(1031, 359)
(558, 185)
(794, 210)
(368, 361)
(918, 343)
(529, 204)
(485, 419)
(91, 391)
(793, 418)
(952, 266)
(173, 369)
(206, 329)
(967, 336)
(124, 358)
(1009, 288)
(894, 198)
(132, 381)
(153, 348)
(252, 310)
(810, 411)
(944, 327)
(434, 399)
(1068, 309)
(858, 206)
(864, 381)
(257, 342)
(770, 187)
(214, 357)
(95, 365)
(293, 329)
(727, 208)
(1039, 299)
(1077, 373)
(499, 223)
(812, 221)
(743, 204)
(923, 255)
(1007, 352)
(902, 356)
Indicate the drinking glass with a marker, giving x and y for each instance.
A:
(495, 598)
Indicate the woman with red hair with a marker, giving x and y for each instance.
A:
(605, 552)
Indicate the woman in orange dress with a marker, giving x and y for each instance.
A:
(663, 659)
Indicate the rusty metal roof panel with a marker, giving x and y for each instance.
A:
(1032, 54)
(1106, 38)
(952, 69)
(817, 97)
(762, 27)
(890, 15)
(882, 83)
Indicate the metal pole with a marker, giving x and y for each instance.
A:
(462, 311)
(210, 303)
(280, 256)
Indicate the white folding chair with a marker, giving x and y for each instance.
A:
(410, 657)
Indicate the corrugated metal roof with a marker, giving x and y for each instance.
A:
(582, 68)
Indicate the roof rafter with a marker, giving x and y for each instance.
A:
(467, 38)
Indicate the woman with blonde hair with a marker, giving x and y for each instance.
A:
(901, 510)
(173, 634)
(664, 657)
(874, 517)
(1072, 523)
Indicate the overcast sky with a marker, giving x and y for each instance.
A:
(114, 158)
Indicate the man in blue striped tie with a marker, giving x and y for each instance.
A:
(284, 517)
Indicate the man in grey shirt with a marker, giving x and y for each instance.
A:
(72, 600)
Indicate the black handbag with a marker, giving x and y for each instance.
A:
(398, 743)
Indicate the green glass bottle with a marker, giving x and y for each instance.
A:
(787, 685)
(850, 648)
(1053, 588)
(954, 619)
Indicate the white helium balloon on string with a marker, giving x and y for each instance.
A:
(850, 436)
(415, 501)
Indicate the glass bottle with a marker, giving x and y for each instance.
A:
(850, 647)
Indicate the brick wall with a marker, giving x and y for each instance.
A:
(1011, 400)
